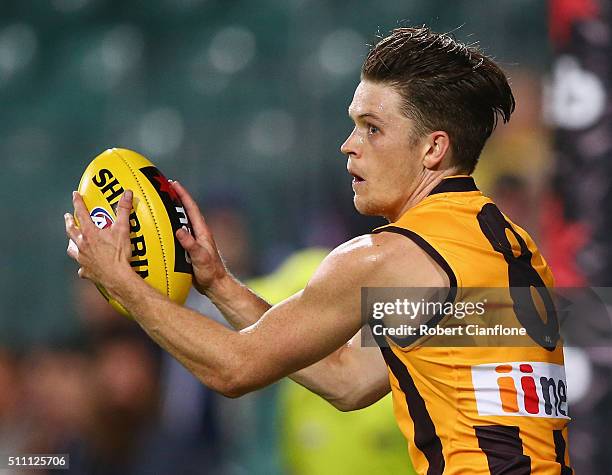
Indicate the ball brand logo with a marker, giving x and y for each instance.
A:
(112, 191)
(101, 218)
(531, 389)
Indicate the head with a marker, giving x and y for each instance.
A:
(424, 108)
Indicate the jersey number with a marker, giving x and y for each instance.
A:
(523, 279)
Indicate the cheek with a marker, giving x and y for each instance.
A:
(394, 171)
(394, 180)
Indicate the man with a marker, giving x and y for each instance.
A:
(423, 110)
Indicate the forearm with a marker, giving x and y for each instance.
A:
(240, 306)
(326, 378)
(349, 379)
(197, 342)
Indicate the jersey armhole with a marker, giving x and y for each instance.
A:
(428, 248)
(405, 342)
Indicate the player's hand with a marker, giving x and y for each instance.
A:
(102, 253)
(208, 267)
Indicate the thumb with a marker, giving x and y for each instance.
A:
(124, 209)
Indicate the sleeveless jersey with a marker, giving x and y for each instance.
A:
(479, 410)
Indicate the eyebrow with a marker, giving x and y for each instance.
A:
(367, 114)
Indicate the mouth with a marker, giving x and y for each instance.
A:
(356, 178)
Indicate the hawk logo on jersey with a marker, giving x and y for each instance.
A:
(530, 389)
(101, 218)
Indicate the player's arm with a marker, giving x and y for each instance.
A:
(350, 378)
(290, 336)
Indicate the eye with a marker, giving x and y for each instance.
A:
(372, 129)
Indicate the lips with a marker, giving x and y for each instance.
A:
(356, 178)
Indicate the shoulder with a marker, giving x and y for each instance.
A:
(382, 260)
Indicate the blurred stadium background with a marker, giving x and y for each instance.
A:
(245, 103)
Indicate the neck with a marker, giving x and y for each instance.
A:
(424, 185)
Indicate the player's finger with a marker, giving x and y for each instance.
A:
(124, 209)
(81, 213)
(71, 230)
(186, 239)
(198, 223)
(72, 250)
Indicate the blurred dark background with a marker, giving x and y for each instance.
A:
(245, 103)
(240, 100)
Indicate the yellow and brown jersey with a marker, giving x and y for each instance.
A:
(480, 410)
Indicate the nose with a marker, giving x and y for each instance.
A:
(349, 147)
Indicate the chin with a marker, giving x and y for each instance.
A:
(366, 207)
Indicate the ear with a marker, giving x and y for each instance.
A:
(437, 145)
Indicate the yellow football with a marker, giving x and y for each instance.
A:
(157, 213)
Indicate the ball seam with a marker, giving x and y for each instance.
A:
(161, 242)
